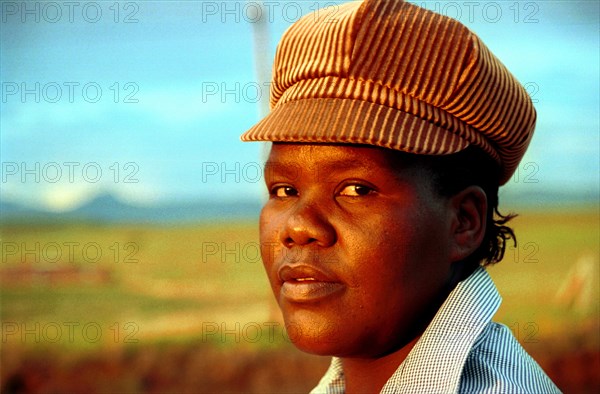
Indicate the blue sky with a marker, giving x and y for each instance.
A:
(157, 104)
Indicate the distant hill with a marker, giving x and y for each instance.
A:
(107, 208)
(549, 199)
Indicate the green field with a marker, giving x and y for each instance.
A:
(165, 280)
(81, 290)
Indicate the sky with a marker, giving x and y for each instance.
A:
(146, 100)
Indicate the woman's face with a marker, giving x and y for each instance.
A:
(356, 248)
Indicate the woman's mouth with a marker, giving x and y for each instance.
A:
(303, 283)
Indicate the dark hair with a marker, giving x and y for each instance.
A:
(455, 172)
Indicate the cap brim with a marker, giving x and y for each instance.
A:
(334, 120)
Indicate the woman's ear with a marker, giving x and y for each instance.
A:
(468, 222)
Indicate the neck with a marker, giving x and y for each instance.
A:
(369, 375)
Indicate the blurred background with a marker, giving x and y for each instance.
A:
(128, 204)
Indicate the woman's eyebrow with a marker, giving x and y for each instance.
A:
(322, 166)
(288, 169)
(327, 170)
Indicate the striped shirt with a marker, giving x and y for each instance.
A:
(461, 351)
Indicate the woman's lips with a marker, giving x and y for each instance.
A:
(309, 290)
(303, 283)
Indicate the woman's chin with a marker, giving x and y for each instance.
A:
(314, 337)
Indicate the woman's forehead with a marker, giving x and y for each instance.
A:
(322, 161)
(331, 154)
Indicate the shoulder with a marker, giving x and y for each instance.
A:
(497, 363)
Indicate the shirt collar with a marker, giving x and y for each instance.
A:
(435, 363)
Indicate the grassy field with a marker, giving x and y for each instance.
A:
(136, 303)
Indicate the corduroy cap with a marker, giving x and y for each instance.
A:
(395, 75)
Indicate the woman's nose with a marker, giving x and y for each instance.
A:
(306, 224)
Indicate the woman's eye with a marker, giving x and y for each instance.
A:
(284, 191)
(355, 191)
